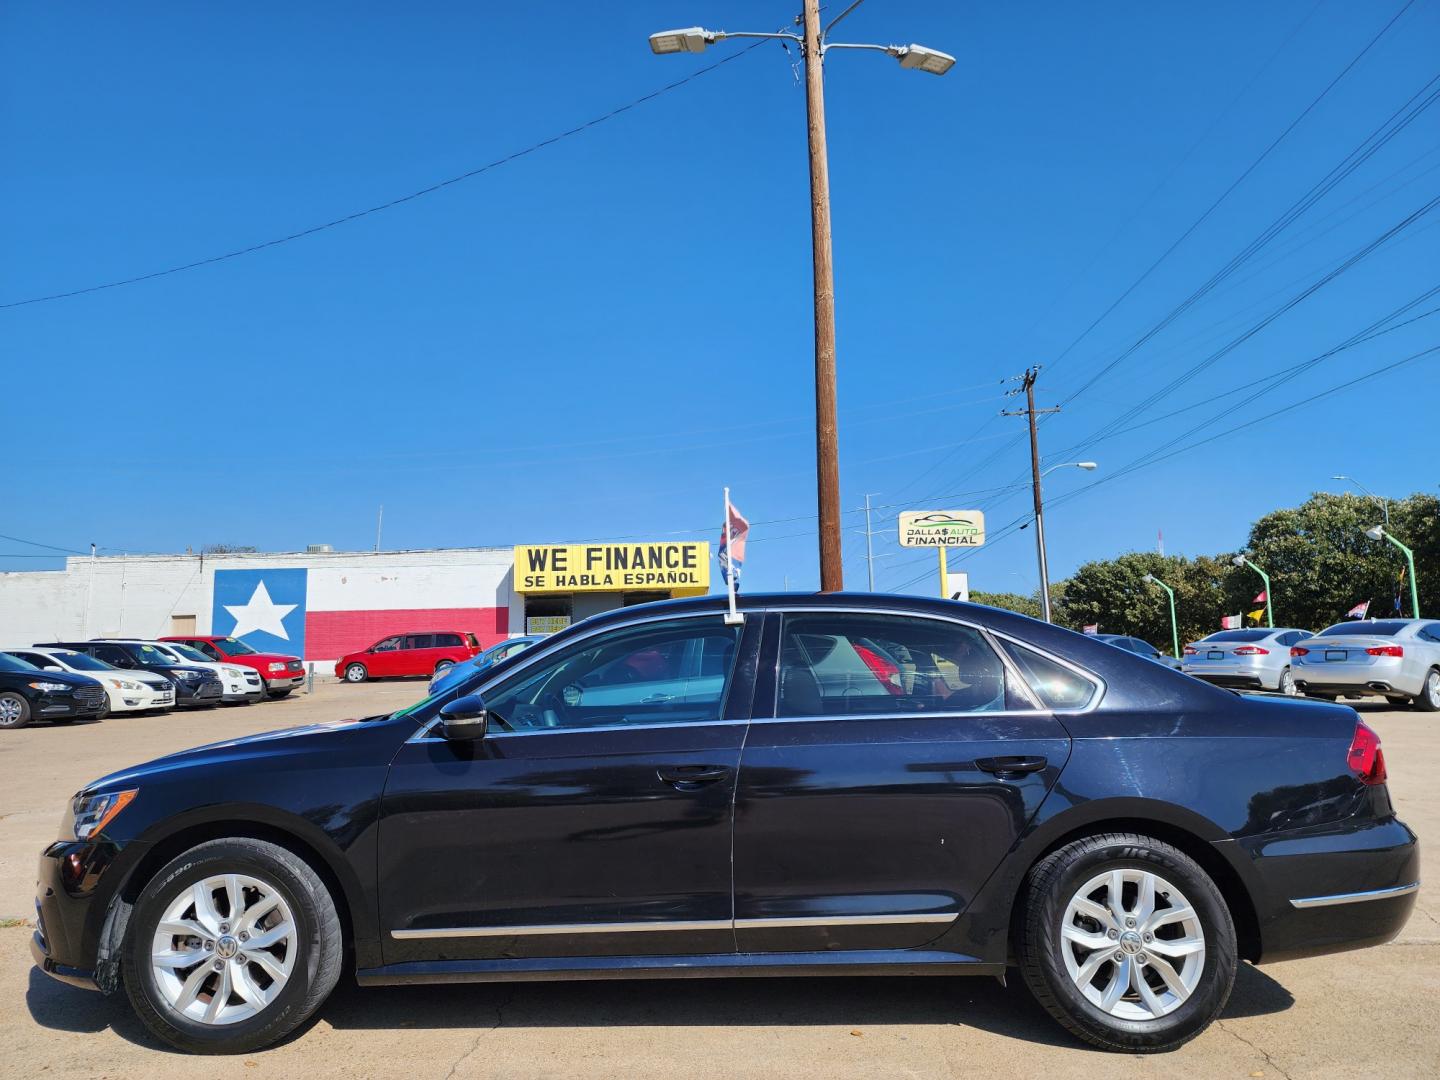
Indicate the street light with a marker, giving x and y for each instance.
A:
(1379, 532)
(1040, 533)
(814, 46)
(1241, 560)
(1384, 503)
(1174, 626)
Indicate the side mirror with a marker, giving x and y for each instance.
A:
(52, 667)
(464, 719)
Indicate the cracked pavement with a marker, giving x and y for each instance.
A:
(1335, 1016)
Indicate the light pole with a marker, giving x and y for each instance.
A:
(814, 46)
(1379, 532)
(1384, 503)
(1174, 625)
(1241, 560)
(1040, 532)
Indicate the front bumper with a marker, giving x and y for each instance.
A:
(247, 692)
(74, 889)
(47, 706)
(284, 680)
(202, 693)
(1332, 888)
(140, 700)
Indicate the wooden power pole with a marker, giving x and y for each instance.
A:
(1028, 386)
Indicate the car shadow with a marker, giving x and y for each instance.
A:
(872, 1001)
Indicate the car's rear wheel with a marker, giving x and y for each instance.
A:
(444, 666)
(231, 946)
(1127, 942)
(14, 710)
(1287, 683)
(356, 673)
(1428, 700)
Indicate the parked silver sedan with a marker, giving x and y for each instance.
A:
(1256, 659)
(1399, 658)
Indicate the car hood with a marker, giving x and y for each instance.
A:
(262, 658)
(69, 678)
(369, 740)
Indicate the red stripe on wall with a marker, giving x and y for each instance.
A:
(329, 635)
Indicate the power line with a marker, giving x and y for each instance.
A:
(392, 203)
(37, 543)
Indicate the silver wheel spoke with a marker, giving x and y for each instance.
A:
(1168, 916)
(1119, 983)
(183, 928)
(1145, 898)
(1085, 939)
(268, 938)
(1085, 906)
(179, 959)
(1115, 894)
(268, 964)
(236, 897)
(258, 910)
(1171, 976)
(221, 996)
(190, 988)
(205, 912)
(1148, 996)
(1176, 947)
(1088, 969)
(246, 988)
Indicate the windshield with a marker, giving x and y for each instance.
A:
(185, 652)
(149, 654)
(80, 662)
(14, 663)
(233, 646)
(1378, 628)
(1239, 635)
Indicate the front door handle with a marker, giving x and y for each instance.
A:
(1008, 768)
(691, 777)
(657, 699)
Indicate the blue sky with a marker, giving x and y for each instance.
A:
(591, 340)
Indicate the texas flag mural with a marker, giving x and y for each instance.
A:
(322, 614)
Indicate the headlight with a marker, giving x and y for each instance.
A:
(277, 667)
(188, 675)
(126, 684)
(49, 687)
(234, 673)
(92, 814)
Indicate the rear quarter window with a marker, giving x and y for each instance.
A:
(1057, 686)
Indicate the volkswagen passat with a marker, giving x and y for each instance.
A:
(1399, 658)
(840, 784)
(1255, 659)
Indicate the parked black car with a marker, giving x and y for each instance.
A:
(841, 784)
(195, 687)
(27, 693)
(1140, 647)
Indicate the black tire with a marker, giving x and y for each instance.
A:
(278, 694)
(356, 673)
(315, 972)
(104, 710)
(1428, 700)
(1049, 889)
(14, 710)
(443, 666)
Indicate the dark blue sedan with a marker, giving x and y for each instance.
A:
(821, 785)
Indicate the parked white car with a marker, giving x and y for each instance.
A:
(242, 684)
(125, 691)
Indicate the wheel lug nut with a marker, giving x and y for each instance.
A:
(1149, 937)
(219, 965)
(1142, 958)
(246, 937)
(210, 945)
(241, 958)
(1130, 922)
(1112, 934)
(224, 927)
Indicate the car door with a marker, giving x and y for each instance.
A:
(594, 817)
(897, 764)
(417, 655)
(386, 657)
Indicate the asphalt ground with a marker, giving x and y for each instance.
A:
(1374, 1012)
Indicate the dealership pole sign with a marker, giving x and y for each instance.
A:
(942, 529)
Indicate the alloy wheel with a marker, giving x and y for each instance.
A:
(1432, 688)
(10, 712)
(1287, 684)
(224, 949)
(1133, 944)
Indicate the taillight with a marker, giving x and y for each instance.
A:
(1365, 756)
(1255, 650)
(1189, 651)
(1296, 650)
(1386, 650)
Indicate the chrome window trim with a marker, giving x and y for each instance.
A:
(1355, 897)
(985, 631)
(586, 730)
(674, 926)
(541, 651)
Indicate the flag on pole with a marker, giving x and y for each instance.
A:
(732, 544)
(1399, 590)
(1359, 611)
(1256, 615)
(1261, 599)
(1091, 628)
(1229, 622)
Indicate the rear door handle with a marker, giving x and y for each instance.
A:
(691, 777)
(1006, 767)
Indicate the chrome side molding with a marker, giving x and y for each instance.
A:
(672, 926)
(1355, 897)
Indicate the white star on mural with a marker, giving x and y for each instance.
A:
(260, 613)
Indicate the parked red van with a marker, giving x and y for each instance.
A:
(419, 653)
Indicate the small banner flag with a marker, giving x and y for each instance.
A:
(1359, 611)
(1262, 598)
(1091, 628)
(1256, 615)
(731, 555)
(1229, 622)
(1399, 590)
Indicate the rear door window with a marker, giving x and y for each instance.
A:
(445, 641)
(1057, 686)
(419, 641)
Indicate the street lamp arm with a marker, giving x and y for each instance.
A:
(842, 15)
(721, 35)
(891, 49)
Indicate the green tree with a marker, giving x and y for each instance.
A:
(1025, 605)
(1113, 595)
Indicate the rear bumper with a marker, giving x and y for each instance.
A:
(1231, 681)
(1332, 888)
(1339, 678)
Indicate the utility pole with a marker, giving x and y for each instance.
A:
(869, 547)
(1027, 385)
(379, 521)
(827, 438)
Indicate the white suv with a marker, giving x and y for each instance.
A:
(242, 684)
(125, 691)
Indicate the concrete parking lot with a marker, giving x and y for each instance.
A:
(1371, 1011)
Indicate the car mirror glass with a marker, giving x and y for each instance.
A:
(465, 718)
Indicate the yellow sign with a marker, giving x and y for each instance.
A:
(682, 569)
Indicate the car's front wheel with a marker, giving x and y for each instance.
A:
(356, 673)
(1428, 700)
(231, 946)
(1127, 942)
(14, 710)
